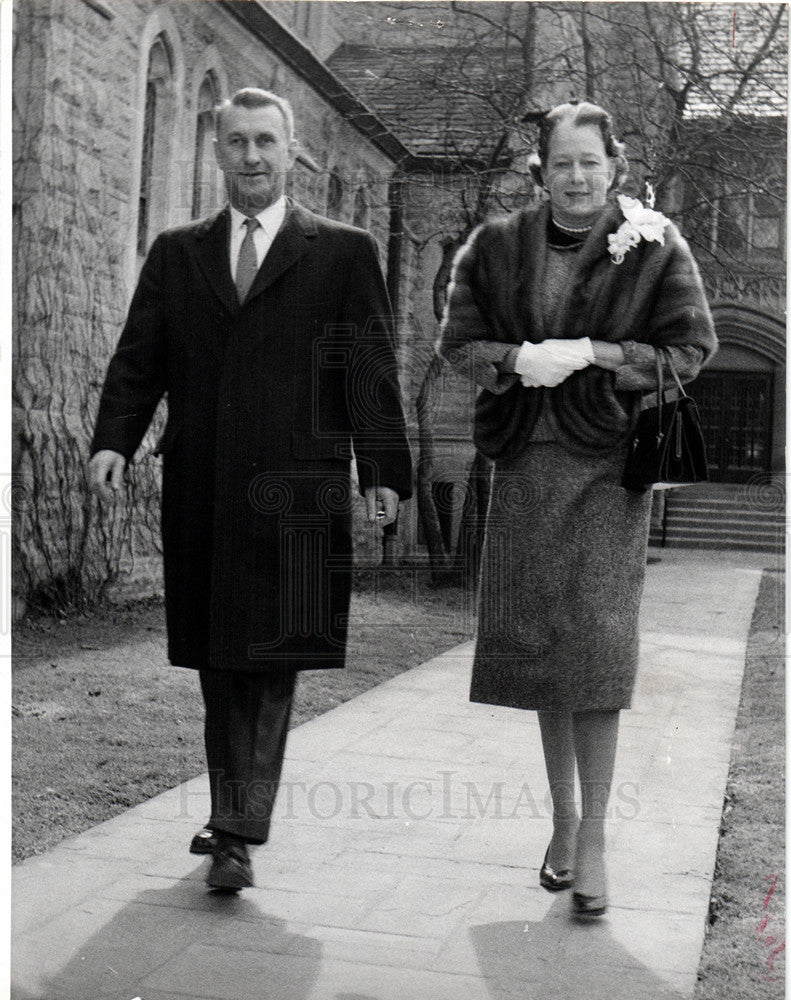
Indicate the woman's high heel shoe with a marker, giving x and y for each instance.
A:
(588, 906)
(592, 872)
(552, 880)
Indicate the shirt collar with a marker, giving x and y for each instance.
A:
(270, 219)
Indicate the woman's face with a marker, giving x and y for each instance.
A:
(578, 173)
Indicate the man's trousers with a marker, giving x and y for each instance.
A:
(247, 719)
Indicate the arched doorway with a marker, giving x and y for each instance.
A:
(741, 395)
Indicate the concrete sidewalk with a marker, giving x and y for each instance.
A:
(404, 858)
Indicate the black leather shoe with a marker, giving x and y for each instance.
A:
(230, 868)
(203, 842)
(555, 881)
(588, 906)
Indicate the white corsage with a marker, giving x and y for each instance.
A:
(641, 224)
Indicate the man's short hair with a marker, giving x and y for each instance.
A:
(254, 97)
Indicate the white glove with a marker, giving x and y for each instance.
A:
(552, 361)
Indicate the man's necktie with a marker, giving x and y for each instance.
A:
(247, 264)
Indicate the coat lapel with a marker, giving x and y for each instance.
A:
(288, 246)
(212, 240)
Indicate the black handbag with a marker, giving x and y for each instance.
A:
(668, 447)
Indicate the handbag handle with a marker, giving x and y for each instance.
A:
(674, 373)
(661, 354)
(659, 395)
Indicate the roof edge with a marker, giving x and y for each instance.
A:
(299, 57)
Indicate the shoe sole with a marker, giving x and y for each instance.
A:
(554, 887)
(583, 912)
(229, 879)
(229, 882)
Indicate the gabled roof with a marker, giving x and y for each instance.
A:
(439, 100)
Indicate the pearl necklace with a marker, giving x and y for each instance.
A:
(569, 230)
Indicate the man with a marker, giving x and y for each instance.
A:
(270, 331)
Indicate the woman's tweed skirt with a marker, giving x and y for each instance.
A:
(562, 577)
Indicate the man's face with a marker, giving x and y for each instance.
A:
(255, 154)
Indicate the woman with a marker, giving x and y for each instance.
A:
(555, 312)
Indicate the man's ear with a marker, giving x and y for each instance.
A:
(293, 151)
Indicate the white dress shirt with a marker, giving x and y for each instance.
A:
(270, 220)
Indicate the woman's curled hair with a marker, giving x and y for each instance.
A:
(578, 115)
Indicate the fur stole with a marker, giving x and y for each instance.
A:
(654, 296)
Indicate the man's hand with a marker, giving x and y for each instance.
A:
(106, 473)
(380, 499)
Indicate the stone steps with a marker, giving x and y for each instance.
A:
(716, 516)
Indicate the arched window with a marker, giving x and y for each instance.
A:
(204, 178)
(157, 122)
(361, 209)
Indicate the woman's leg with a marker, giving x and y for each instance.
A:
(558, 741)
(595, 741)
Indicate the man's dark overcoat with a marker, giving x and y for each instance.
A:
(265, 401)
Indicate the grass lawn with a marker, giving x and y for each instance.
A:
(743, 957)
(101, 722)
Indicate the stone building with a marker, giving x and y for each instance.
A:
(740, 243)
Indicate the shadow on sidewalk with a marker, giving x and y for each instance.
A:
(560, 958)
(180, 941)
